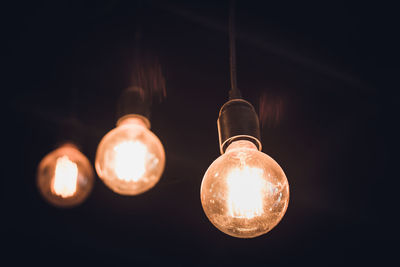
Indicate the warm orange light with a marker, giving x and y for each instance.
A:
(65, 176)
(244, 192)
(130, 159)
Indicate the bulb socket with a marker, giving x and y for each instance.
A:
(133, 100)
(238, 120)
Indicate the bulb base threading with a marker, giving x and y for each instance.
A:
(238, 120)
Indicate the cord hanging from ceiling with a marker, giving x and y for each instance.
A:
(234, 93)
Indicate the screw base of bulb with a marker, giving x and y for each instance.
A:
(238, 120)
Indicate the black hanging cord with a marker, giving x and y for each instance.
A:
(138, 30)
(234, 93)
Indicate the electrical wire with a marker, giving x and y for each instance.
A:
(234, 93)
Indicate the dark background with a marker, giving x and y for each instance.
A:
(326, 74)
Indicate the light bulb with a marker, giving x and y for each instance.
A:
(244, 192)
(65, 176)
(130, 159)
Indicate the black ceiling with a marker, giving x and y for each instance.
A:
(325, 73)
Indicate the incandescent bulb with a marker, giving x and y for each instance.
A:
(244, 192)
(130, 159)
(65, 176)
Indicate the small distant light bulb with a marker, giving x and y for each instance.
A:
(65, 176)
(130, 159)
(244, 192)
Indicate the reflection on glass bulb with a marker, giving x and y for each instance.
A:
(130, 159)
(244, 192)
(65, 176)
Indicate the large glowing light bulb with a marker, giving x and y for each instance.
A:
(244, 192)
(130, 159)
(65, 176)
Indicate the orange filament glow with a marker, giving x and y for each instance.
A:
(130, 160)
(65, 177)
(245, 192)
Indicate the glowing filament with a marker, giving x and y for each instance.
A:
(65, 178)
(245, 196)
(130, 160)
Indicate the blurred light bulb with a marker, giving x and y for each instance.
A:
(65, 176)
(130, 159)
(244, 192)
